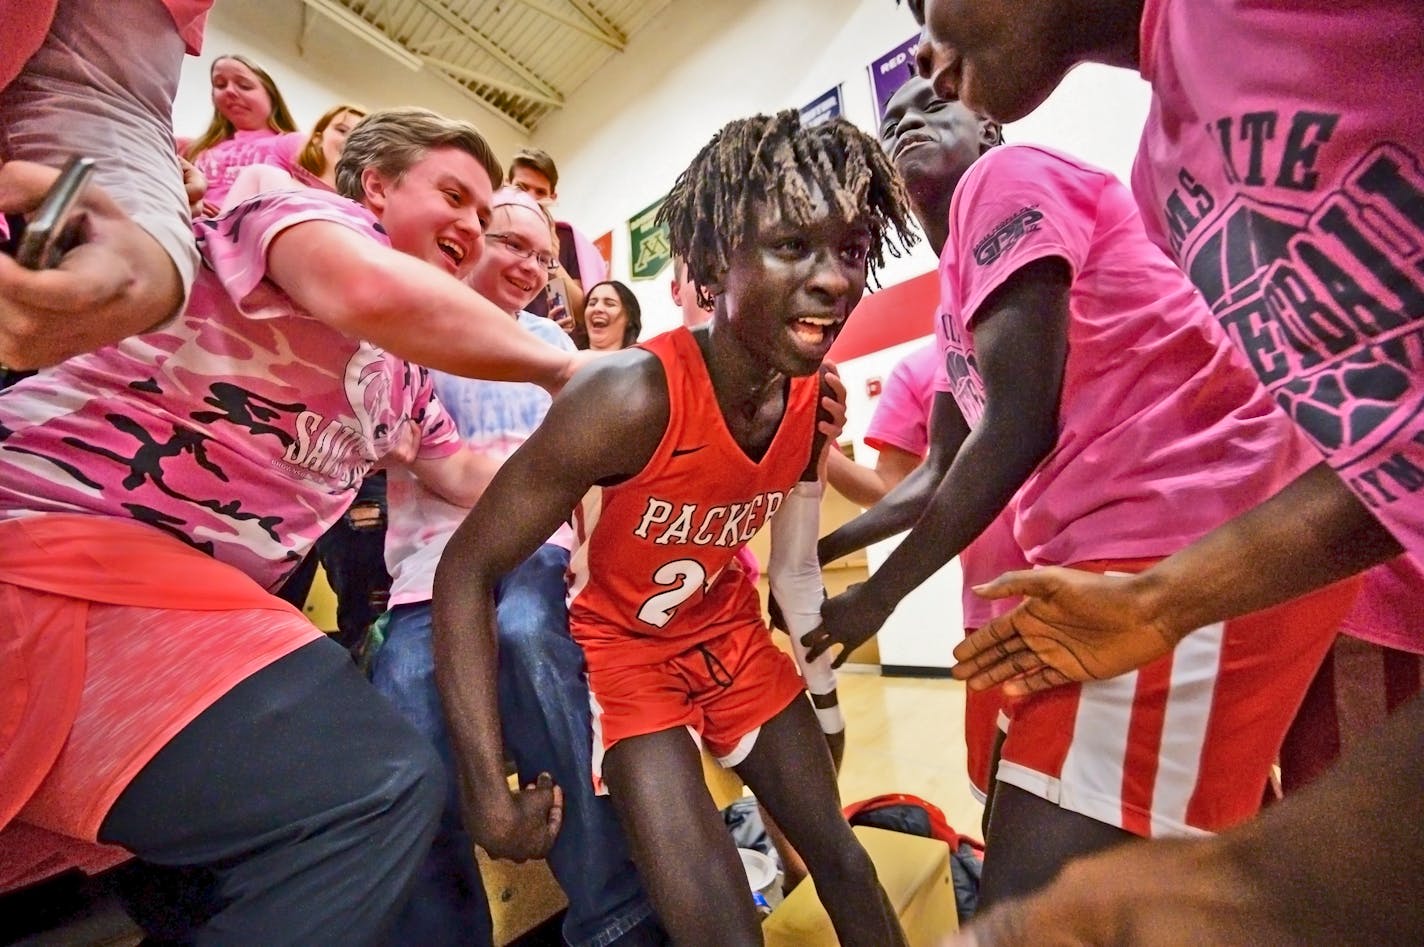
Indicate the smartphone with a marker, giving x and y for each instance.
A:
(56, 227)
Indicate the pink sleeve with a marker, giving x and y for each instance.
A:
(234, 246)
(26, 24)
(592, 269)
(900, 419)
(438, 435)
(281, 151)
(190, 17)
(1016, 205)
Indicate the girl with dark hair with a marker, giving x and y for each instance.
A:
(612, 317)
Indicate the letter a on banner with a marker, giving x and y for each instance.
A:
(648, 243)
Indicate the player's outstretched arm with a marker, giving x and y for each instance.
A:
(901, 507)
(1021, 340)
(1077, 626)
(581, 442)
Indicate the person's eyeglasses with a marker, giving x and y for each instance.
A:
(547, 260)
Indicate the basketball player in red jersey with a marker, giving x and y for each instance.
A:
(671, 456)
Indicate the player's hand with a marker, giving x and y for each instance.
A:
(849, 620)
(118, 281)
(522, 824)
(1072, 626)
(831, 417)
(1148, 894)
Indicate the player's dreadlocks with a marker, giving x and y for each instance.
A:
(773, 158)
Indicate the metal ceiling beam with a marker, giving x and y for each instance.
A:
(600, 22)
(484, 78)
(360, 27)
(439, 44)
(459, 25)
(582, 23)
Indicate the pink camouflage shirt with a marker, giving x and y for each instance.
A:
(242, 427)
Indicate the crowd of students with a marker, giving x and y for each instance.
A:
(1164, 427)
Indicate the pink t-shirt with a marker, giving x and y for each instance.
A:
(1390, 609)
(1163, 431)
(242, 427)
(1283, 165)
(902, 419)
(902, 412)
(282, 151)
(221, 163)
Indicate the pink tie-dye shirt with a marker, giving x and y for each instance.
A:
(242, 427)
(1282, 164)
(1163, 432)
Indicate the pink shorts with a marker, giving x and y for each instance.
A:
(1184, 745)
(722, 690)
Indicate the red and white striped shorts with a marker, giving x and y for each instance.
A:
(1184, 745)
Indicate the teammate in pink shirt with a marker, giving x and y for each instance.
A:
(1107, 411)
(151, 491)
(1280, 166)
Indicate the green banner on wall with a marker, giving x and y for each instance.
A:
(648, 244)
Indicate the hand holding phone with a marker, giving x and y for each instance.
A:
(57, 226)
(120, 279)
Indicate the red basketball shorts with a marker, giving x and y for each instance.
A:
(722, 690)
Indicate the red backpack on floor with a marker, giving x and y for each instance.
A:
(902, 812)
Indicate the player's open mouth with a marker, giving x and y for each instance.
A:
(814, 330)
(598, 320)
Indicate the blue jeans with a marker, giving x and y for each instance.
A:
(543, 702)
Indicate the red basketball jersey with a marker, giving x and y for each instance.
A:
(649, 576)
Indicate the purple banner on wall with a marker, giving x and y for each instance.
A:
(889, 72)
(823, 108)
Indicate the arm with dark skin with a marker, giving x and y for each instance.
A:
(1262, 882)
(530, 496)
(1021, 340)
(902, 506)
(1078, 626)
(867, 486)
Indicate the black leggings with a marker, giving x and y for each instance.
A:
(295, 810)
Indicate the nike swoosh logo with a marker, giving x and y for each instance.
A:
(688, 450)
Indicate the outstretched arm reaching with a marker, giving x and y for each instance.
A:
(579, 444)
(903, 504)
(1078, 626)
(1021, 339)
